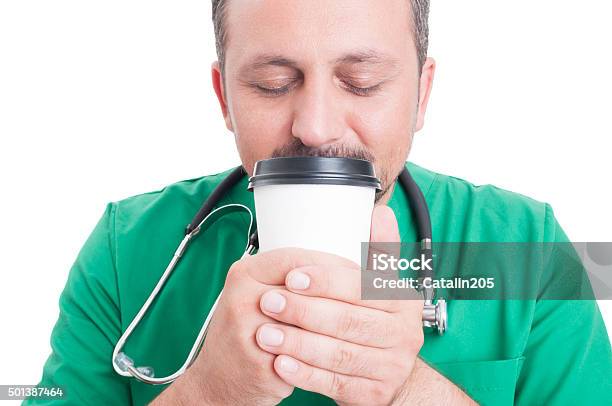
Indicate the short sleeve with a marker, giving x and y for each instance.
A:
(567, 356)
(88, 327)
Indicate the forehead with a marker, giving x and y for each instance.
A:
(317, 31)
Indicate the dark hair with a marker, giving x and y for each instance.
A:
(420, 14)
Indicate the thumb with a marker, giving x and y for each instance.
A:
(384, 234)
(384, 226)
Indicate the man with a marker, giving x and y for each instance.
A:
(323, 78)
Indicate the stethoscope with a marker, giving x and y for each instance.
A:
(434, 315)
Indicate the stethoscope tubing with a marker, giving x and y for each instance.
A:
(434, 315)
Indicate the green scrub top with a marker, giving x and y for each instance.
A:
(500, 352)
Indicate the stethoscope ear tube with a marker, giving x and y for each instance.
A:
(418, 205)
(434, 315)
(226, 184)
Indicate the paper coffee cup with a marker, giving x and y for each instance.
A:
(317, 203)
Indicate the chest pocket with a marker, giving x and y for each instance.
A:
(487, 382)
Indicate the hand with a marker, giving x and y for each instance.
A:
(231, 368)
(330, 341)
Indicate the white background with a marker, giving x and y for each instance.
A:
(103, 100)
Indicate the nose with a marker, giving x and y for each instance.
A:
(318, 118)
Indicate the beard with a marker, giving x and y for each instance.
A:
(295, 148)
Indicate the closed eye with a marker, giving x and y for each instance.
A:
(279, 91)
(273, 91)
(269, 88)
(362, 91)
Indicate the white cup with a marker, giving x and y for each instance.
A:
(317, 203)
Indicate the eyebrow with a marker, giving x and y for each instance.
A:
(364, 56)
(263, 60)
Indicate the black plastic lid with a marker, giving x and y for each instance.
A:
(314, 170)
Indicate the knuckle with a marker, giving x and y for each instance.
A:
(321, 277)
(342, 358)
(367, 327)
(293, 344)
(348, 324)
(309, 377)
(414, 339)
(237, 313)
(347, 361)
(398, 333)
(398, 366)
(235, 272)
(379, 393)
(403, 331)
(401, 361)
(261, 369)
(390, 331)
(261, 365)
(419, 339)
(339, 385)
(300, 313)
(283, 390)
(232, 316)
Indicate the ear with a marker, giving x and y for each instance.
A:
(217, 81)
(425, 85)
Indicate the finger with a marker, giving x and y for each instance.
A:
(384, 234)
(356, 324)
(325, 352)
(384, 226)
(271, 267)
(385, 244)
(335, 282)
(341, 388)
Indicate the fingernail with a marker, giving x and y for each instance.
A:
(270, 336)
(298, 280)
(288, 364)
(273, 302)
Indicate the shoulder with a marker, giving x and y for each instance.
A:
(146, 228)
(485, 211)
(183, 195)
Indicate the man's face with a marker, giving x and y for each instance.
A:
(323, 78)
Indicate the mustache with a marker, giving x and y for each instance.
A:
(296, 148)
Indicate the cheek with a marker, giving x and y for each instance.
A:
(260, 126)
(381, 124)
(384, 124)
(385, 129)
